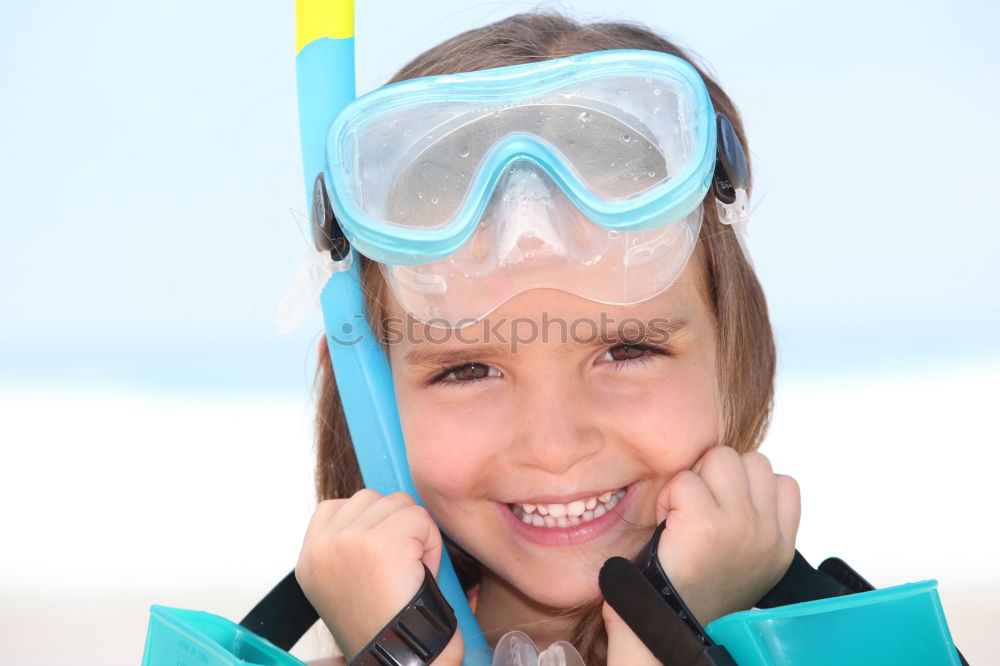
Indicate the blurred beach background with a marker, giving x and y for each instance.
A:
(156, 429)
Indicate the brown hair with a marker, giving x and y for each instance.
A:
(745, 353)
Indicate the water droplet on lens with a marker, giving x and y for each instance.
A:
(584, 116)
(656, 91)
(434, 200)
(626, 137)
(464, 152)
(612, 234)
(651, 174)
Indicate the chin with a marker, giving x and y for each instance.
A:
(566, 589)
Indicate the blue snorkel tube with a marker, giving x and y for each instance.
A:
(325, 79)
(324, 67)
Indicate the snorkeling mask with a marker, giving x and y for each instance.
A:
(586, 174)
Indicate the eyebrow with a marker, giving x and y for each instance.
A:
(433, 356)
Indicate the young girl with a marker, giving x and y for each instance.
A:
(538, 461)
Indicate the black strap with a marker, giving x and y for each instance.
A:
(804, 583)
(658, 625)
(840, 571)
(283, 616)
(416, 635)
(658, 579)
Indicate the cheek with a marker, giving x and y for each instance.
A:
(673, 423)
(451, 471)
(448, 457)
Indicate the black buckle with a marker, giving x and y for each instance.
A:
(326, 232)
(731, 171)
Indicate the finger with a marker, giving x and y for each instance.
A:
(789, 502)
(685, 492)
(321, 518)
(763, 485)
(417, 529)
(353, 507)
(724, 474)
(378, 511)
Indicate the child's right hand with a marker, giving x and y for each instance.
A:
(363, 559)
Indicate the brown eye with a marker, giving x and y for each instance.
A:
(630, 355)
(467, 374)
(471, 371)
(627, 352)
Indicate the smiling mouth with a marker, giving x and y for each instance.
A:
(568, 515)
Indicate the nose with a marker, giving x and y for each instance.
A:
(557, 427)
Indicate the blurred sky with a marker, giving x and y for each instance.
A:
(151, 217)
(152, 193)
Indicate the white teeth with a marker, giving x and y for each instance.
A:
(568, 515)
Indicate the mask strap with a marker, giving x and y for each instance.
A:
(731, 180)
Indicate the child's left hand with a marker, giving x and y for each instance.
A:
(729, 538)
(730, 533)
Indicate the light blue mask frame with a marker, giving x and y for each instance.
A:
(662, 204)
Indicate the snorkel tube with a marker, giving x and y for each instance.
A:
(324, 66)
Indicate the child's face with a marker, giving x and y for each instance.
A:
(563, 418)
